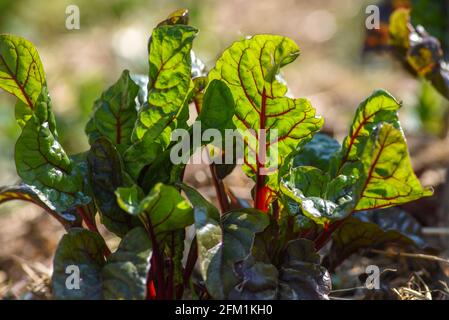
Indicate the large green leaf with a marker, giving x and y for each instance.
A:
(28, 193)
(162, 210)
(41, 161)
(106, 175)
(21, 71)
(251, 70)
(388, 178)
(115, 112)
(299, 276)
(122, 276)
(222, 241)
(371, 229)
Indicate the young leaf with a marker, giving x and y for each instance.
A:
(21, 71)
(106, 175)
(162, 210)
(321, 198)
(42, 162)
(250, 68)
(125, 273)
(388, 178)
(222, 241)
(371, 229)
(115, 112)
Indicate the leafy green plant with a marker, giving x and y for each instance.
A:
(268, 250)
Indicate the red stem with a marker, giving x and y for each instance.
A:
(262, 191)
(157, 265)
(325, 235)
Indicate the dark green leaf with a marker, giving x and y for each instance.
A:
(318, 152)
(222, 241)
(371, 229)
(106, 174)
(115, 112)
(42, 162)
(125, 274)
(84, 250)
(122, 276)
(299, 277)
(24, 192)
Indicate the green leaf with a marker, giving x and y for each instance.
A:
(24, 192)
(84, 250)
(222, 241)
(122, 276)
(321, 198)
(106, 175)
(125, 274)
(41, 161)
(373, 229)
(299, 276)
(388, 178)
(378, 107)
(218, 107)
(115, 112)
(251, 69)
(318, 152)
(21, 71)
(169, 75)
(162, 210)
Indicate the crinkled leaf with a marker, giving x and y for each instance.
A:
(222, 241)
(370, 229)
(115, 112)
(321, 198)
(125, 274)
(388, 178)
(106, 175)
(162, 210)
(21, 71)
(251, 70)
(84, 250)
(24, 192)
(42, 162)
(299, 277)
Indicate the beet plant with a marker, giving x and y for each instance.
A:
(268, 249)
